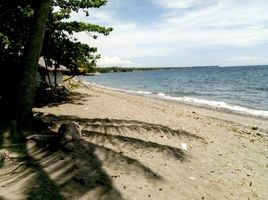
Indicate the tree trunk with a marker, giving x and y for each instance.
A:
(26, 88)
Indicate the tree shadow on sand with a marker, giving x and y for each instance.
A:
(117, 125)
(49, 172)
(76, 170)
(19, 172)
(52, 99)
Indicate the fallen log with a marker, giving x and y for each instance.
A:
(67, 132)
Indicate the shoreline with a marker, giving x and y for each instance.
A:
(228, 108)
(219, 113)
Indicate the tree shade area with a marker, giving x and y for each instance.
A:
(31, 29)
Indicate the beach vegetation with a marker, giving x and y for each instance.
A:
(30, 29)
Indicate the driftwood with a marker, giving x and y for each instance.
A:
(68, 132)
(43, 139)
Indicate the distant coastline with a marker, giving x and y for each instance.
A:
(116, 69)
(138, 69)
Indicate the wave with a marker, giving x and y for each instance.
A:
(194, 101)
(161, 94)
(116, 89)
(143, 92)
(218, 104)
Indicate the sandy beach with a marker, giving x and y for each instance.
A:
(143, 148)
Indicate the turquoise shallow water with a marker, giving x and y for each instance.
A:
(240, 89)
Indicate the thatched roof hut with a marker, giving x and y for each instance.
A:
(50, 75)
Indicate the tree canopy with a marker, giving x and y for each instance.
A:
(59, 43)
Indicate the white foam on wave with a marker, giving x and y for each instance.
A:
(161, 94)
(220, 104)
(195, 101)
(143, 92)
(116, 89)
(134, 91)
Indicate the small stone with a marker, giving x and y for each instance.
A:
(254, 128)
(160, 189)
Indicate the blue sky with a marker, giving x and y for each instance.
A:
(178, 33)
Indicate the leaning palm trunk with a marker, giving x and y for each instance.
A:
(26, 88)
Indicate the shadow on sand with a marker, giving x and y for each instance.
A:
(76, 170)
(50, 100)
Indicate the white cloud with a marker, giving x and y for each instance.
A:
(220, 23)
(112, 61)
(246, 60)
(173, 4)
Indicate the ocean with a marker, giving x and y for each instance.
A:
(239, 89)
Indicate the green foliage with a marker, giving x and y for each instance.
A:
(71, 27)
(75, 5)
(16, 16)
(60, 46)
(12, 34)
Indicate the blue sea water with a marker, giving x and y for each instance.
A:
(239, 89)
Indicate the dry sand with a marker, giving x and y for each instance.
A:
(142, 148)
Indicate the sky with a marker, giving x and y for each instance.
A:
(180, 33)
